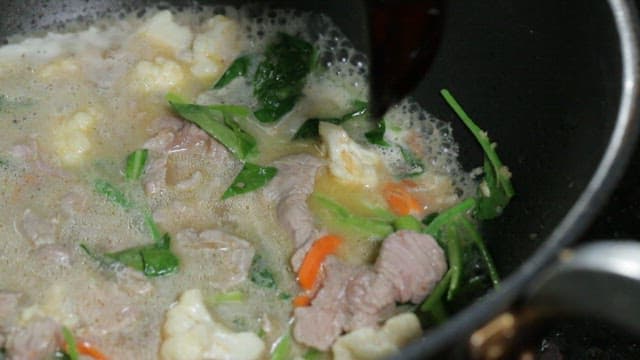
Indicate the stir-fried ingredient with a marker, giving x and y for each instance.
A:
(260, 214)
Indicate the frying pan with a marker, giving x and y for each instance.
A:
(555, 82)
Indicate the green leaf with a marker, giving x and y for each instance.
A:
(309, 129)
(152, 260)
(260, 274)
(135, 164)
(112, 193)
(433, 303)
(486, 257)
(250, 178)
(70, 341)
(227, 297)
(239, 67)
(416, 167)
(217, 121)
(312, 354)
(448, 216)
(496, 190)
(376, 136)
(4, 163)
(454, 254)
(282, 350)
(156, 234)
(280, 77)
(336, 215)
(407, 222)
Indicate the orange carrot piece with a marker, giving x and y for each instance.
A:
(85, 348)
(400, 199)
(301, 300)
(310, 267)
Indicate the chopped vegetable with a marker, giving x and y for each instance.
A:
(70, 343)
(309, 129)
(135, 164)
(217, 121)
(227, 297)
(156, 234)
(282, 349)
(312, 354)
(301, 300)
(376, 136)
(260, 274)
(279, 79)
(334, 214)
(477, 239)
(312, 262)
(407, 222)
(239, 67)
(433, 304)
(112, 193)
(400, 199)
(4, 163)
(416, 167)
(85, 348)
(496, 189)
(250, 178)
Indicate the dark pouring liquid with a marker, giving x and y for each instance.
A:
(404, 39)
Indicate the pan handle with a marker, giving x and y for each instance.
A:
(598, 280)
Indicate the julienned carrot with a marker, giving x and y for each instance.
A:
(301, 300)
(85, 348)
(310, 267)
(400, 199)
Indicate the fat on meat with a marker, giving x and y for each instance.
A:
(352, 297)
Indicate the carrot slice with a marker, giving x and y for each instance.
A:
(85, 348)
(400, 199)
(310, 267)
(301, 300)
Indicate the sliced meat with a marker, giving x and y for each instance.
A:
(407, 269)
(413, 262)
(227, 257)
(179, 152)
(37, 229)
(289, 189)
(35, 341)
(106, 309)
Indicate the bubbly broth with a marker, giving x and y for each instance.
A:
(75, 104)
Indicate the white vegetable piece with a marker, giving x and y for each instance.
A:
(71, 139)
(349, 161)
(369, 343)
(158, 76)
(190, 333)
(216, 48)
(162, 31)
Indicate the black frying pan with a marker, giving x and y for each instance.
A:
(554, 81)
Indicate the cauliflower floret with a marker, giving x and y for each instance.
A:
(349, 161)
(162, 31)
(158, 76)
(190, 333)
(71, 139)
(216, 48)
(369, 343)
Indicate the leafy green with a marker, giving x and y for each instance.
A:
(280, 77)
(112, 193)
(239, 67)
(309, 129)
(260, 274)
(4, 163)
(218, 121)
(496, 189)
(416, 167)
(227, 297)
(433, 304)
(312, 354)
(156, 234)
(376, 136)
(250, 178)
(282, 350)
(407, 222)
(70, 341)
(339, 216)
(135, 164)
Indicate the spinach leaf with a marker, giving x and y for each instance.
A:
(496, 190)
(376, 136)
(280, 77)
(312, 354)
(250, 178)
(309, 129)
(70, 342)
(152, 260)
(407, 222)
(335, 214)
(433, 303)
(416, 167)
(112, 193)
(260, 274)
(135, 164)
(227, 297)
(239, 67)
(218, 121)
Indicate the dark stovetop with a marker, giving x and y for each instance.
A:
(587, 338)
